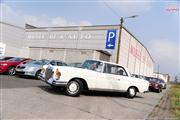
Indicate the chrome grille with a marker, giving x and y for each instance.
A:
(48, 74)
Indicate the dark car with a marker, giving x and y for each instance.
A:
(163, 84)
(10, 65)
(3, 58)
(78, 65)
(154, 85)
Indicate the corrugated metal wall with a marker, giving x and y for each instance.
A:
(135, 56)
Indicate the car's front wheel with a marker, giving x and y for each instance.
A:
(131, 93)
(11, 71)
(37, 76)
(74, 88)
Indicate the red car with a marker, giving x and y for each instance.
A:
(154, 84)
(10, 65)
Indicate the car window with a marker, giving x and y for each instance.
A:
(60, 64)
(114, 69)
(38, 63)
(53, 63)
(93, 65)
(16, 59)
(64, 64)
(45, 62)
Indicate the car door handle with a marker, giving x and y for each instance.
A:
(118, 79)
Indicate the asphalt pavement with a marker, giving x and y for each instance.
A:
(23, 98)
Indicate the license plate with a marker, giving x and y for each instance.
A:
(50, 81)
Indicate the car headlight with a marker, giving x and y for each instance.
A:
(156, 85)
(3, 64)
(57, 74)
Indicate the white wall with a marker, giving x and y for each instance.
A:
(13, 37)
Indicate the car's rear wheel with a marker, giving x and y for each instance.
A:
(11, 70)
(131, 93)
(74, 88)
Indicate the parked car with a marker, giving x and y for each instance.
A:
(55, 63)
(49, 64)
(94, 75)
(3, 58)
(10, 65)
(75, 65)
(31, 69)
(154, 84)
(163, 84)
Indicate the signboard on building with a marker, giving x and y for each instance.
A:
(2, 48)
(111, 39)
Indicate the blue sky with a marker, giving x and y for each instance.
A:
(157, 25)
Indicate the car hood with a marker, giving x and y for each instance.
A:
(33, 65)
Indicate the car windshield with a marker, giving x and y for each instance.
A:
(93, 65)
(61, 64)
(16, 59)
(40, 62)
(75, 64)
(56, 63)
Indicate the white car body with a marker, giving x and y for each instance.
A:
(96, 80)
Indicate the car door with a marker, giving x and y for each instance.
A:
(122, 79)
(117, 77)
(111, 76)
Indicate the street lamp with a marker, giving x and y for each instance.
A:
(120, 31)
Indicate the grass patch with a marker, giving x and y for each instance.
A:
(174, 94)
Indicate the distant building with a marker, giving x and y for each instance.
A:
(177, 78)
(75, 44)
(162, 76)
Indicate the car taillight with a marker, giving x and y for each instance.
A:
(57, 74)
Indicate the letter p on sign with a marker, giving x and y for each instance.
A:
(111, 39)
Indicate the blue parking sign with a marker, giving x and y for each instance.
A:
(111, 39)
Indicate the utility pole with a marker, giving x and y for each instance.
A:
(120, 33)
(119, 40)
(158, 72)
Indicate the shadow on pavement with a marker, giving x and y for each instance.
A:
(25, 77)
(49, 89)
(61, 91)
(104, 94)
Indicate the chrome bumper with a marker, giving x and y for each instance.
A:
(53, 82)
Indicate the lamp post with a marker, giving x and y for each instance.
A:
(120, 32)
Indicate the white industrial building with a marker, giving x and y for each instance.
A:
(75, 44)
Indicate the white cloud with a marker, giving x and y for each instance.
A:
(166, 53)
(44, 20)
(11, 16)
(127, 8)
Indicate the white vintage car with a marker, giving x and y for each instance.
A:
(94, 75)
